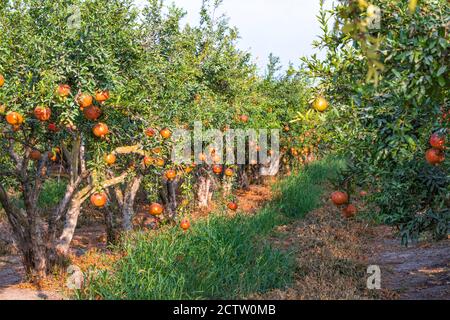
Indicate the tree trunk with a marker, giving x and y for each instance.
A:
(169, 197)
(128, 202)
(62, 247)
(204, 193)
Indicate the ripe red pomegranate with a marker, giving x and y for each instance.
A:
(63, 90)
(437, 141)
(150, 132)
(232, 206)
(349, 211)
(42, 113)
(217, 169)
(92, 112)
(52, 127)
(339, 197)
(35, 155)
(434, 156)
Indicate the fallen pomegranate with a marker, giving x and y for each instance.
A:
(349, 211)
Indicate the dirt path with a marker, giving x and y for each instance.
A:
(11, 286)
(333, 254)
(420, 271)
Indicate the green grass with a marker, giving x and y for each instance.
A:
(219, 258)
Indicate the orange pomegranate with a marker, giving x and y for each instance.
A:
(434, 156)
(156, 209)
(2, 80)
(110, 159)
(100, 129)
(42, 113)
(170, 174)
(35, 155)
(165, 133)
(229, 172)
(437, 141)
(101, 96)
(185, 224)
(14, 118)
(232, 206)
(92, 112)
(148, 161)
(63, 90)
(243, 118)
(349, 211)
(84, 100)
(339, 197)
(99, 199)
(160, 162)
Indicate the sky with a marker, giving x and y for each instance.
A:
(285, 28)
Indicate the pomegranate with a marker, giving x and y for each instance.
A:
(434, 156)
(170, 174)
(63, 90)
(35, 155)
(14, 118)
(156, 209)
(84, 100)
(165, 133)
(217, 169)
(232, 206)
(339, 198)
(102, 96)
(349, 211)
(100, 130)
(185, 224)
(99, 199)
(42, 113)
(320, 104)
(229, 172)
(437, 141)
(92, 112)
(110, 159)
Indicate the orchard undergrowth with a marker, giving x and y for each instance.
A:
(220, 257)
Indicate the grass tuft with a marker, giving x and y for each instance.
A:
(218, 258)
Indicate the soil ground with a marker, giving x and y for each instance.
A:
(332, 256)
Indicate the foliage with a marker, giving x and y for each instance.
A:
(384, 128)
